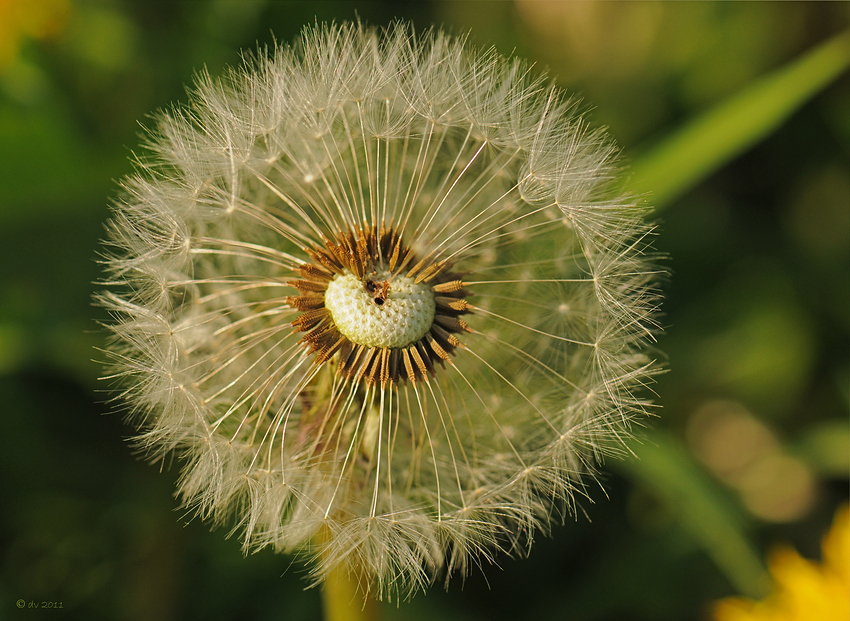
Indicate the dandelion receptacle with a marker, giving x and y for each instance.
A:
(377, 294)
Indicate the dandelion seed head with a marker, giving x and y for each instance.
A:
(377, 293)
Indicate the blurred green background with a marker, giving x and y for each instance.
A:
(751, 445)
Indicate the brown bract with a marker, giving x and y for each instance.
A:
(366, 252)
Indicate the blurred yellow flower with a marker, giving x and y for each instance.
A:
(27, 18)
(803, 590)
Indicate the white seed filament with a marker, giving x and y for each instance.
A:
(400, 319)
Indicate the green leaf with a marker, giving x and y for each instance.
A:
(667, 471)
(715, 137)
(826, 447)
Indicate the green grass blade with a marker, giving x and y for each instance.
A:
(666, 470)
(701, 146)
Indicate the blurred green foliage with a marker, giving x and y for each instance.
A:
(751, 446)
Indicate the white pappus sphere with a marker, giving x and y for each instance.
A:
(376, 292)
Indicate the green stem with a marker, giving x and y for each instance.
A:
(343, 598)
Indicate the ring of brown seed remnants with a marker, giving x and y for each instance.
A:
(363, 252)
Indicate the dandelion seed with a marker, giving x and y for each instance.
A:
(374, 292)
